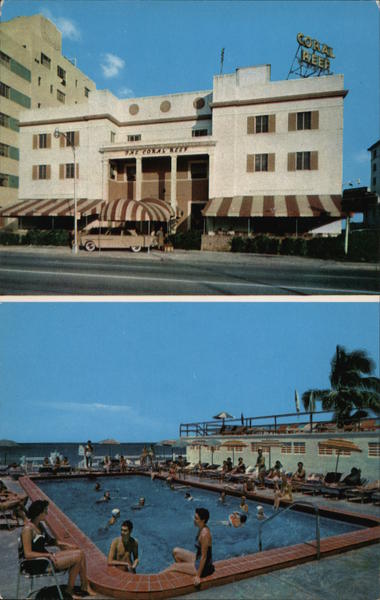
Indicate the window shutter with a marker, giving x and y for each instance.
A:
(271, 161)
(48, 140)
(291, 161)
(250, 124)
(313, 161)
(77, 171)
(62, 141)
(76, 138)
(250, 163)
(62, 171)
(272, 124)
(315, 119)
(35, 142)
(48, 171)
(292, 121)
(35, 172)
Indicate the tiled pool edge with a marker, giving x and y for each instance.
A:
(112, 582)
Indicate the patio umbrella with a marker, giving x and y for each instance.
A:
(270, 444)
(222, 416)
(234, 445)
(171, 443)
(339, 445)
(201, 442)
(110, 442)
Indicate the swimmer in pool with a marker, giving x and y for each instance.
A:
(97, 486)
(243, 504)
(260, 513)
(140, 505)
(124, 550)
(222, 497)
(106, 498)
(188, 496)
(236, 519)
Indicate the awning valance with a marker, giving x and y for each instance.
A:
(51, 208)
(275, 206)
(149, 209)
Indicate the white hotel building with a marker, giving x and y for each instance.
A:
(249, 155)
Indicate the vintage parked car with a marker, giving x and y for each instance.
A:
(115, 238)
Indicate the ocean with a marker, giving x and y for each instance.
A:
(13, 454)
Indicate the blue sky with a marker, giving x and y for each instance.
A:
(135, 370)
(151, 48)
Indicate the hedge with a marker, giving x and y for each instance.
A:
(362, 246)
(36, 237)
(187, 240)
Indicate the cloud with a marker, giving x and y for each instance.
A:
(89, 406)
(111, 65)
(67, 27)
(362, 156)
(125, 92)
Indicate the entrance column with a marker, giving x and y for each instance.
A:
(173, 184)
(138, 177)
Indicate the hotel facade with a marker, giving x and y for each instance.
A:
(33, 74)
(248, 155)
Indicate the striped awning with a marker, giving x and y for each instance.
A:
(274, 206)
(51, 208)
(149, 209)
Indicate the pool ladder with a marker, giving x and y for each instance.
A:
(281, 512)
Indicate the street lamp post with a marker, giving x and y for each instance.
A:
(57, 134)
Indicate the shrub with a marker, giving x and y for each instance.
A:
(364, 245)
(187, 240)
(239, 244)
(9, 238)
(55, 237)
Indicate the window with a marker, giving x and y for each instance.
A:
(70, 138)
(42, 171)
(374, 153)
(45, 60)
(113, 135)
(199, 132)
(42, 140)
(324, 451)
(4, 181)
(61, 72)
(261, 162)
(134, 138)
(61, 96)
(299, 448)
(51, 89)
(303, 161)
(4, 149)
(86, 92)
(256, 445)
(39, 80)
(4, 90)
(373, 449)
(374, 167)
(198, 170)
(286, 448)
(69, 172)
(373, 180)
(5, 59)
(304, 120)
(76, 83)
(262, 124)
(4, 120)
(131, 173)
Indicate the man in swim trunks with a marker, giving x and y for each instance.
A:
(124, 550)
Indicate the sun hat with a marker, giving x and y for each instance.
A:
(259, 509)
(115, 512)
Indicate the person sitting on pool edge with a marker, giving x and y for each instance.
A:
(200, 563)
(124, 550)
(283, 492)
(236, 519)
(34, 542)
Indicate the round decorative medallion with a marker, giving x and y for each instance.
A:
(165, 106)
(199, 103)
(134, 109)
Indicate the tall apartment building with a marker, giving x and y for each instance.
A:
(34, 75)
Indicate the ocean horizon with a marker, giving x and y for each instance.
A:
(14, 453)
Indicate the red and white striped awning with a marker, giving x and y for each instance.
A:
(149, 209)
(275, 206)
(51, 208)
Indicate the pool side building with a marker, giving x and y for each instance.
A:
(248, 155)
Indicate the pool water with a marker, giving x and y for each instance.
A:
(166, 520)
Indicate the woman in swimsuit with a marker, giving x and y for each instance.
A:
(199, 563)
(35, 538)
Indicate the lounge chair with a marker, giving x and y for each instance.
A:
(363, 493)
(313, 484)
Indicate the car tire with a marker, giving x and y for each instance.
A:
(90, 246)
(135, 248)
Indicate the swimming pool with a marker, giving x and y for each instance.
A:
(166, 520)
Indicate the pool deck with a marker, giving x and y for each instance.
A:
(110, 582)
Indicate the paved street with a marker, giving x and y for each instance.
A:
(56, 271)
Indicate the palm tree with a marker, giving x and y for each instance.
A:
(352, 387)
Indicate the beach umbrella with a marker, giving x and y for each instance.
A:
(199, 442)
(222, 416)
(171, 444)
(110, 442)
(234, 445)
(340, 446)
